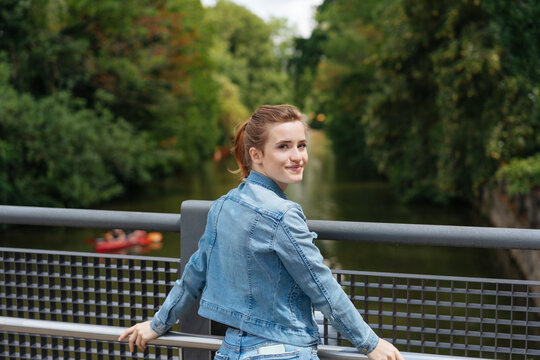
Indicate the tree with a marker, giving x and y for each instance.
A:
(244, 52)
(435, 93)
(56, 152)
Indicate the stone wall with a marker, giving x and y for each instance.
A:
(518, 211)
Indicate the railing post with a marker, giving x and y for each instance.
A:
(193, 221)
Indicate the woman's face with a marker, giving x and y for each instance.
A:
(284, 155)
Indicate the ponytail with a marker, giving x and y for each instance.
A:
(239, 150)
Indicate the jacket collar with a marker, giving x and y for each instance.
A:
(259, 179)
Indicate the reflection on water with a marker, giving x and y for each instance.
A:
(323, 195)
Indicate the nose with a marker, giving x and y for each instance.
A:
(295, 154)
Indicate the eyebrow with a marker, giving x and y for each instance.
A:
(287, 141)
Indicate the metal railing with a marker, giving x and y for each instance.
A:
(447, 316)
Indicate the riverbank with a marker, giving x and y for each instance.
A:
(517, 211)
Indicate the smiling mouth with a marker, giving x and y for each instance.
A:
(295, 168)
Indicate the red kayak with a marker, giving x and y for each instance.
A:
(138, 238)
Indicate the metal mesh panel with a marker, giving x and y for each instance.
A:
(81, 288)
(428, 314)
(458, 316)
(26, 346)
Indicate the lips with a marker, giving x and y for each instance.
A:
(295, 168)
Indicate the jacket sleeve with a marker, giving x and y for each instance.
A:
(188, 289)
(304, 262)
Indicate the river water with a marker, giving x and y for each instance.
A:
(326, 193)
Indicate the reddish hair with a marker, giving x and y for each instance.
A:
(253, 133)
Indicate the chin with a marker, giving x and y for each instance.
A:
(296, 179)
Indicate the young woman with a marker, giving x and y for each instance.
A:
(257, 269)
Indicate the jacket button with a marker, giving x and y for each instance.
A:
(364, 350)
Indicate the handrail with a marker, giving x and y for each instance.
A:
(181, 340)
(106, 219)
(411, 234)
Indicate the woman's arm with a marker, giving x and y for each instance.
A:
(185, 292)
(304, 262)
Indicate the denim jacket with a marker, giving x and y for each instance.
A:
(258, 270)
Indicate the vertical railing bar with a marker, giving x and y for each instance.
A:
(452, 317)
(114, 288)
(366, 297)
(4, 288)
(52, 292)
(496, 317)
(31, 293)
(63, 285)
(144, 290)
(156, 286)
(11, 345)
(394, 310)
(75, 269)
(55, 348)
(23, 346)
(466, 325)
(527, 318)
(76, 347)
(481, 317)
(408, 320)
(134, 280)
(511, 319)
(437, 315)
(422, 314)
(352, 291)
(41, 287)
(111, 317)
(33, 346)
(99, 349)
(380, 307)
(17, 268)
(66, 348)
(98, 284)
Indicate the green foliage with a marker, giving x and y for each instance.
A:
(55, 152)
(521, 175)
(105, 94)
(515, 141)
(146, 62)
(245, 53)
(302, 65)
(150, 101)
(437, 94)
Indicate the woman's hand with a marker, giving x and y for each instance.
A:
(140, 333)
(385, 351)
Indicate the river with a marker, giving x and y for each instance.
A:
(326, 193)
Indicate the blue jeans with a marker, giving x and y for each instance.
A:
(239, 345)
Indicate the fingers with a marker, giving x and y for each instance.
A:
(139, 335)
(126, 333)
(132, 340)
(141, 342)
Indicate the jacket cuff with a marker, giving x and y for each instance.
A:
(370, 344)
(158, 326)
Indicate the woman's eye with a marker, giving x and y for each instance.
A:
(302, 145)
(283, 146)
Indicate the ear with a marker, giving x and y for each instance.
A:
(256, 155)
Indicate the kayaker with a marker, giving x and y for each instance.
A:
(115, 235)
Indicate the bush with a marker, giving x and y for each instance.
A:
(54, 152)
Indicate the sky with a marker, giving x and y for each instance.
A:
(299, 13)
